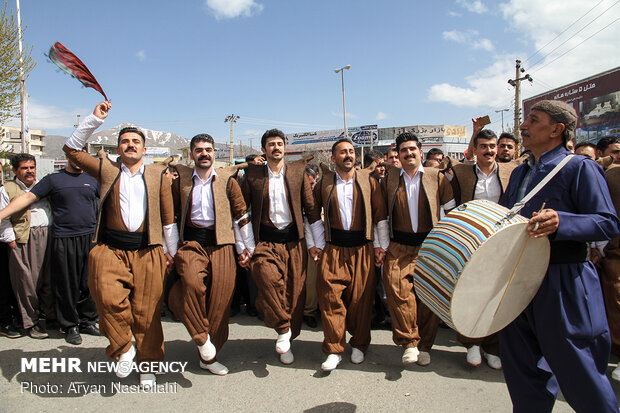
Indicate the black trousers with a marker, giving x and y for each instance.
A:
(74, 305)
(8, 304)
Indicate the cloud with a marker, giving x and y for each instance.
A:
(141, 55)
(49, 117)
(229, 9)
(381, 116)
(475, 6)
(349, 115)
(538, 23)
(454, 14)
(470, 37)
(252, 132)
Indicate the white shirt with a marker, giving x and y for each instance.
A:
(203, 208)
(133, 197)
(412, 186)
(279, 212)
(344, 191)
(488, 187)
(40, 214)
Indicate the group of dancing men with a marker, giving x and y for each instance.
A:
(273, 220)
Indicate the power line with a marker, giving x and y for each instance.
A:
(577, 45)
(574, 34)
(563, 31)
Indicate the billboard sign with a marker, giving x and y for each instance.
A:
(596, 101)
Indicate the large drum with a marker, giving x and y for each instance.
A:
(478, 268)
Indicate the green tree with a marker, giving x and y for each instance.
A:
(9, 65)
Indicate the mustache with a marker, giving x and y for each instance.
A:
(410, 157)
(204, 157)
(29, 174)
(488, 153)
(525, 133)
(130, 149)
(348, 158)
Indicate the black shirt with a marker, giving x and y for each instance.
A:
(73, 201)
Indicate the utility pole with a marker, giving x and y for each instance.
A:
(78, 121)
(232, 119)
(516, 83)
(502, 112)
(22, 84)
(251, 147)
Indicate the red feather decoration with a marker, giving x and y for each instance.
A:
(73, 66)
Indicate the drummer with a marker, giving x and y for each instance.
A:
(415, 196)
(484, 180)
(561, 340)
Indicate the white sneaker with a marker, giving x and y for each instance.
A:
(287, 358)
(410, 355)
(147, 380)
(424, 358)
(615, 375)
(125, 361)
(283, 343)
(473, 356)
(357, 356)
(331, 362)
(215, 368)
(207, 350)
(493, 361)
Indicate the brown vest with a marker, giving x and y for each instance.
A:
(429, 185)
(466, 178)
(613, 181)
(362, 181)
(224, 232)
(257, 178)
(153, 174)
(20, 220)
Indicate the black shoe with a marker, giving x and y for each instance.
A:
(91, 330)
(7, 330)
(251, 311)
(310, 321)
(38, 332)
(73, 336)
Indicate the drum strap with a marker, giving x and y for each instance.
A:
(519, 205)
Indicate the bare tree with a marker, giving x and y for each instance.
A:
(10, 65)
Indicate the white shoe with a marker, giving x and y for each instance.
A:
(424, 358)
(357, 356)
(473, 356)
(287, 358)
(215, 368)
(410, 355)
(283, 343)
(331, 362)
(615, 375)
(147, 380)
(493, 361)
(125, 361)
(207, 350)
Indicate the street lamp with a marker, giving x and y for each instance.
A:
(344, 113)
(232, 119)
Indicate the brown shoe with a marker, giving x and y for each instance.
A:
(38, 332)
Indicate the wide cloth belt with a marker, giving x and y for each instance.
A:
(342, 238)
(125, 240)
(204, 236)
(280, 236)
(412, 239)
(568, 252)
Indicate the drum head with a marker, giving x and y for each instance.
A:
(475, 307)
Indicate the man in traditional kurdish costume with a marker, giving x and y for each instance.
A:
(353, 205)
(128, 264)
(210, 205)
(415, 197)
(26, 232)
(561, 340)
(609, 262)
(486, 179)
(277, 193)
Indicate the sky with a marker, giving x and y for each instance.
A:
(184, 66)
